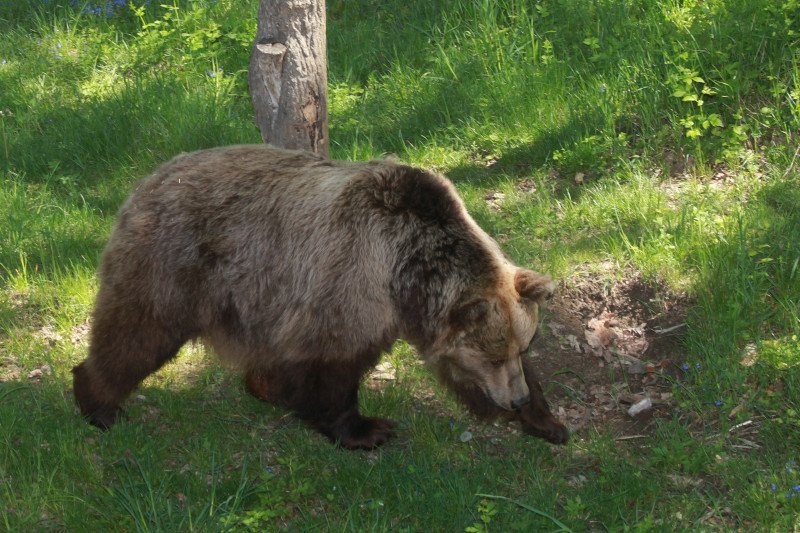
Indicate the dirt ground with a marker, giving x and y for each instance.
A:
(608, 345)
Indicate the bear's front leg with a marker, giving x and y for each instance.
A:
(326, 396)
(535, 417)
(356, 432)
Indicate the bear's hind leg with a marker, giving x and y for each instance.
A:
(256, 382)
(325, 394)
(127, 345)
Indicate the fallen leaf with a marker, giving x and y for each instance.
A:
(384, 371)
(593, 340)
(573, 343)
(630, 398)
(78, 333)
(527, 186)
(37, 373)
(576, 481)
(750, 355)
(495, 199)
(602, 334)
(48, 334)
(634, 346)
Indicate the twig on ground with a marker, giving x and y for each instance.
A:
(664, 331)
(631, 437)
(740, 426)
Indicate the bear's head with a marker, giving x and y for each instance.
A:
(479, 355)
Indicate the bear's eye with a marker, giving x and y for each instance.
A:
(498, 362)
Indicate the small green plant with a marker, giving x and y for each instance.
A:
(548, 53)
(486, 511)
(688, 86)
(274, 495)
(575, 508)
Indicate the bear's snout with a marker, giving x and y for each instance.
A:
(519, 403)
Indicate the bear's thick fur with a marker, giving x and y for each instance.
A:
(302, 272)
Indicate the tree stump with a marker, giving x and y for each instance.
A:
(288, 75)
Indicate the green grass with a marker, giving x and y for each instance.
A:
(495, 94)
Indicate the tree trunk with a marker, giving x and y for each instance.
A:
(289, 76)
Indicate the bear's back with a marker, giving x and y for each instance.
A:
(278, 247)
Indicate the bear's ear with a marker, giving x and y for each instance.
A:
(466, 315)
(533, 286)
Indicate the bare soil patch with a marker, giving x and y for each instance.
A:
(609, 344)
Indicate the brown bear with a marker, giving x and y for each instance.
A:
(302, 271)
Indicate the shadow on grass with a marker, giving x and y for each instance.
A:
(749, 294)
(752, 276)
(144, 124)
(522, 161)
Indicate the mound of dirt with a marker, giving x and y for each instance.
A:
(610, 347)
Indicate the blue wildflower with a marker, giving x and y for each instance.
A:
(684, 367)
(717, 402)
(773, 487)
(697, 366)
(58, 45)
(796, 488)
(270, 470)
(451, 424)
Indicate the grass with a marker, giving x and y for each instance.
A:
(648, 101)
